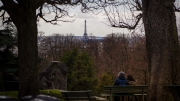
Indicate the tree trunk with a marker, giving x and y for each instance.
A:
(27, 50)
(162, 47)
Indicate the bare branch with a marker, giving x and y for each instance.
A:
(40, 3)
(59, 9)
(176, 6)
(7, 7)
(124, 15)
(56, 11)
(10, 3)
(138, 5)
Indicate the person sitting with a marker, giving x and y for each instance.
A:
(120, 81)
(131, 80)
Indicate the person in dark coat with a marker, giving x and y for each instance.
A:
(120, 81)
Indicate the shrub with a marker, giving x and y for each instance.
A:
(81, 74)
(13, 94)
(105, 80)
(51, 92)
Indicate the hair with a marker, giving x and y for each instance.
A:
(130, 78)
(121, 73)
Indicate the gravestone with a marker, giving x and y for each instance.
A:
(54, 76)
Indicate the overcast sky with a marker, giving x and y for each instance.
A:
(95, 26)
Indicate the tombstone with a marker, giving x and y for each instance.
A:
(54, 76)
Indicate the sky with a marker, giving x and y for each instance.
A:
(96, 26)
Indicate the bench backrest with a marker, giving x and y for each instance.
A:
(126, 89)
(78, 95)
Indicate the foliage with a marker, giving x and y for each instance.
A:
(8, 61)
(1, 84)
(7, 42)
(116, 53)
(50, 92)
(80, 70)
(13, 94)
(52, 47)
(105, 80)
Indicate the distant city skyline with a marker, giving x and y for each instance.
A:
(95, 26)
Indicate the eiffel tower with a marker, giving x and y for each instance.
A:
(85, 36)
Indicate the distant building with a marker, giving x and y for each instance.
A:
(85, 35)
(89, 39)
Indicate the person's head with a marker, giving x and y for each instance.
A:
(121, 73)
(130, 78)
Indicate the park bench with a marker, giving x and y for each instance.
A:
(175, 91)
(128, 90)
(79, 95)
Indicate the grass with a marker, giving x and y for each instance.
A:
(50, 92)
(13, 94)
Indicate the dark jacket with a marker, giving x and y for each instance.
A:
(121, 81)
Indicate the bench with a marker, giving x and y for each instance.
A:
(175, 91)
(128, 90)
(78, 95)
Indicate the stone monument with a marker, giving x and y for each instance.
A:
(54, 76)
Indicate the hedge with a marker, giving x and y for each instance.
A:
(50, 92)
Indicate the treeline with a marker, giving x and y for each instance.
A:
(116, 52)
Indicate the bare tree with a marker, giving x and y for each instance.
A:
(25, 14)
(162, 47)
(115, 53)
(160, 28)
(161, 40)
(124, 13)
(138, 59)
(51, 48)
(94, 49)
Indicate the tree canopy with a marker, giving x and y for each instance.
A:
(8, 42)
(81, 74)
